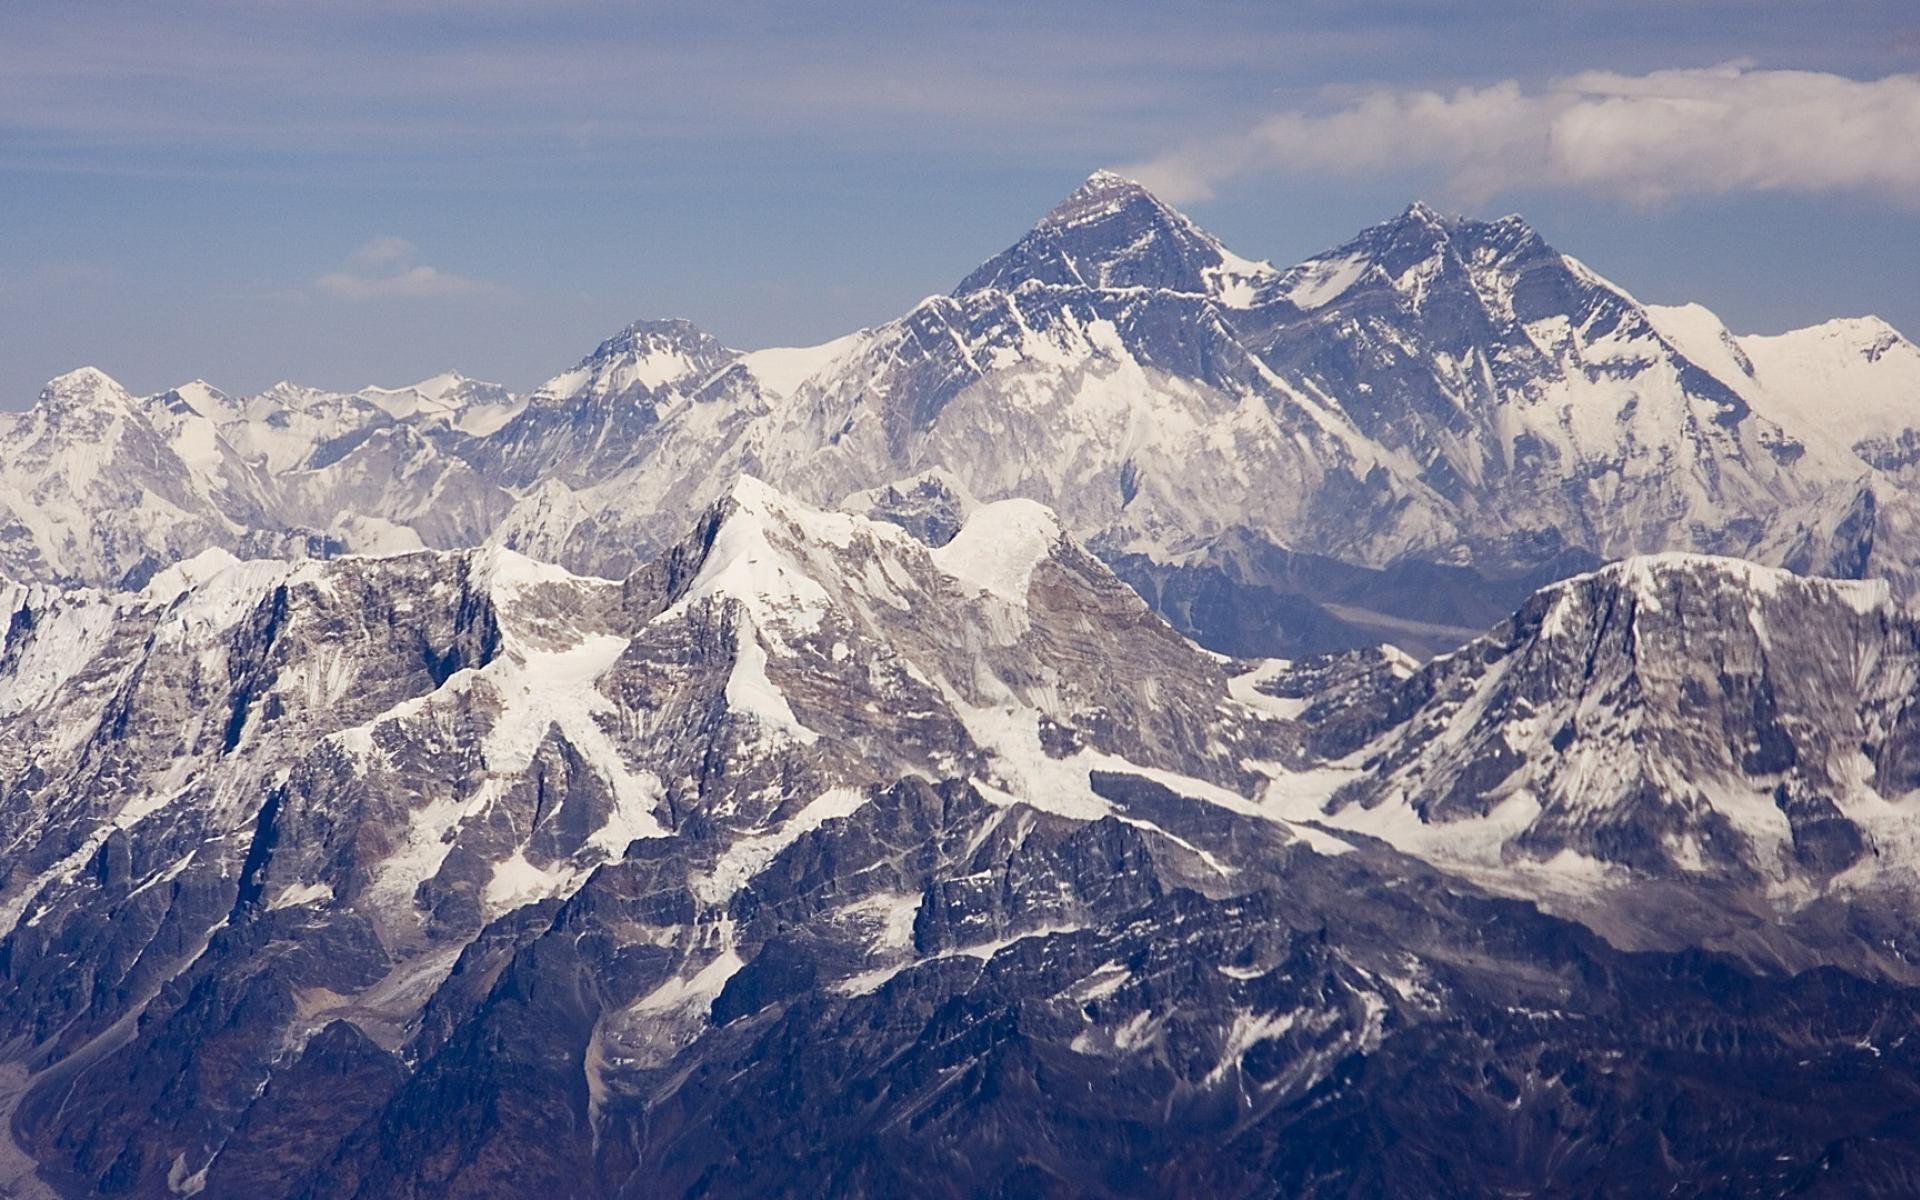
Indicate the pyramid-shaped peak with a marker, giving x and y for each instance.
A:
(1111, 232)
(1104, 194)
(1424, 213)
(86, 387)
(83, 379)
(1417, 225)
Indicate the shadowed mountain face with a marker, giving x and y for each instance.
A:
(821, 856)
(1396, 440)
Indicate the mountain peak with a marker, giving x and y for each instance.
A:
(1111, 232)
(84, 388)
(1412, 251)
(645, 356)
(1867, 331)
(752, 494)
(1103, 194)
(434, 387)
(660, 327)
(1422, 212)
(1647, 576)
(83, 378)
(1633, 750)
(1418, 225)
(754, 505)
(1422, 223)
(652, 335)
(1878, 364)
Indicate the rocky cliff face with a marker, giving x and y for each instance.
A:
(1671, 722)
(814, 855)
(384, 759)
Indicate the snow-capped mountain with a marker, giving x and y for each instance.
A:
(1849, 385)
(99, 485)
(1436, 394)
(816, 851)
(1534, 397)
(1668, 718)
(470, 405)
(1395, 440)
(585, 424)
(1112, 233)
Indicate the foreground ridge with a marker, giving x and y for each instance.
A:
(468, 874)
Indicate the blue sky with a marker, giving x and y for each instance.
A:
(356, 192)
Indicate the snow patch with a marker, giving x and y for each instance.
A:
(999, 547)
(782, 369)
(1319, 282)
(746, 857)
(751, 693)
(1245, 687)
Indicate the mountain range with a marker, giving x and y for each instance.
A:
(1397, 440)
(1146, 723)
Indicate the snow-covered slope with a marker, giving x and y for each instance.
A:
(1851, 386)
(1855, 382)
(1536, 399)
(469, 405)
(437, 792)
(584, 424)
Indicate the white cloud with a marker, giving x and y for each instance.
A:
(383, 251)
(385, 268)
(1644, 139)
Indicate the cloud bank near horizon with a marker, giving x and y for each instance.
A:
(1644, 140)
(388, 268)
